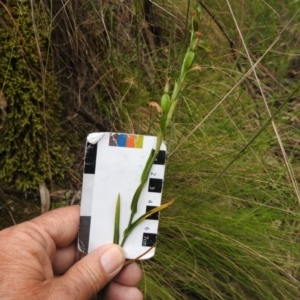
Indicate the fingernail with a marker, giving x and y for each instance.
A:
(112, 259)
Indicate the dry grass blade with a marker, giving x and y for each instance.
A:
(45, 197)
(140, 256)
(130, 228)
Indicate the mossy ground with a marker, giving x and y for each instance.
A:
(34, 147)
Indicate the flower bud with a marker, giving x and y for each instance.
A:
(196, 40)
(165, 103)
(188, 61)
(167, 86)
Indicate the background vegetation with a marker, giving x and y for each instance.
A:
(71, 68)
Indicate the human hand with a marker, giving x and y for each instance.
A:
(39, 260)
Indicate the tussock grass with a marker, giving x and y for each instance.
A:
(232, 236)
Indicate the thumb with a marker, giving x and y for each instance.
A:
(93, 272)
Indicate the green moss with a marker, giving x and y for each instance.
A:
(32, 144)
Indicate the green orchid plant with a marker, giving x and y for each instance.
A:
(165, 110)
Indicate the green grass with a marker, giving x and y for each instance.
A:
(233, 230)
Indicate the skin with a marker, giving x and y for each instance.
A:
(39, 260)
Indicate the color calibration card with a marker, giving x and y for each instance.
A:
(113, 165)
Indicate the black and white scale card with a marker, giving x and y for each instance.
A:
(114, 163)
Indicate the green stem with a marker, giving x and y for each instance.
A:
(144, 178)
(168, 106)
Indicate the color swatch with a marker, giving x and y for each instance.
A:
(126, 140)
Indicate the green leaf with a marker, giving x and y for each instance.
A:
(136, 198)
(147, 167)
(144, 178)
(117, 221)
